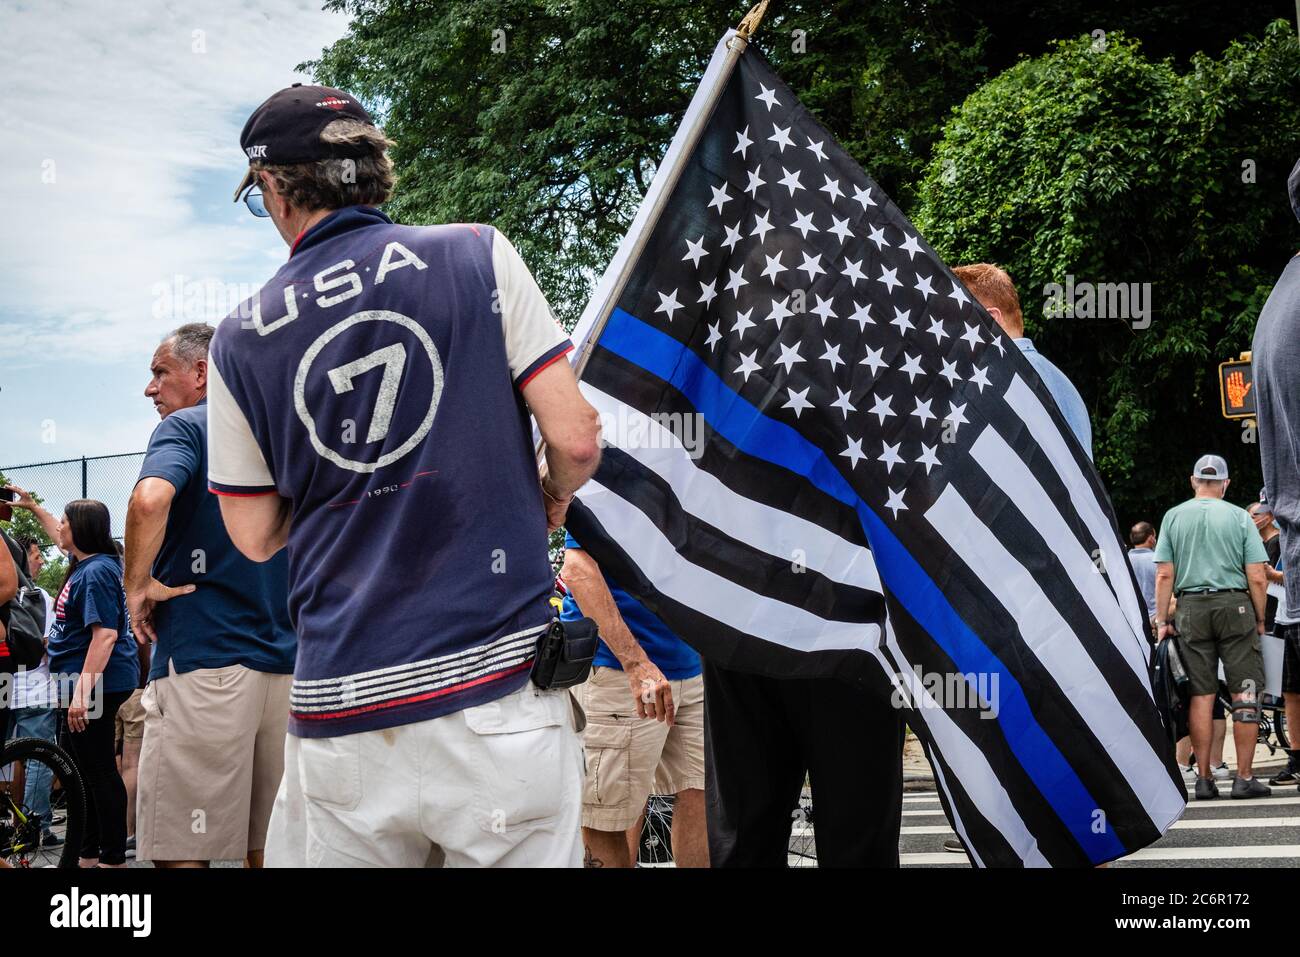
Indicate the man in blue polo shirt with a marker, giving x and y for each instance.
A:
(645, 721)
(217, 703)
(369, 414)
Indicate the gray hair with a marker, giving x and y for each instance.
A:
(190, 342)
(335, 183)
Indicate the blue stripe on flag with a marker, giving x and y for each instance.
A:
(745, 427)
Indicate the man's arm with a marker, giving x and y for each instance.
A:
(650, 689)
(257, 524)
(1258, 583)
(146, 524)
(1164, 592)
(570, 428)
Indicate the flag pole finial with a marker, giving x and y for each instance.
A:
(749, 25)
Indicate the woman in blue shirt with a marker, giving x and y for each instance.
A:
(92, 650)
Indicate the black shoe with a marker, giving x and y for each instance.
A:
(130, 848)
(1206, 790)
(1286, 776)
(1250, 788)
(50, 839)
(955, 845)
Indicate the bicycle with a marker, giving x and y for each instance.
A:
(655, 848)
(23, 841)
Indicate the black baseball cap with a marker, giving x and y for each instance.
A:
(286, 128)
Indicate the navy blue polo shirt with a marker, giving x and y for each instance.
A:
(93, 596)
(375, 384)
(238, 613)
(674, 657)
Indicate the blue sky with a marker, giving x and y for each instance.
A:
(121, 151)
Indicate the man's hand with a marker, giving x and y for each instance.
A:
(1165, 631)
(141, 603)
(557, 507)
(653, 693)
(1259, 627)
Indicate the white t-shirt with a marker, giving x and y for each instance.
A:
(34, 688)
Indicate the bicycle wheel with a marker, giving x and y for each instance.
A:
(803, 837)
(38, 773)
(656, 846)
(1280, 729)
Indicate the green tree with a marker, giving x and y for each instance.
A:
(1097, 162)
(547, 119)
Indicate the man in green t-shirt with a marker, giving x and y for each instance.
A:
(1210, 555)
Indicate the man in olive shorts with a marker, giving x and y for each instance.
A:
(1211, 556)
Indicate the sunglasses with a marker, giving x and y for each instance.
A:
(255, 202)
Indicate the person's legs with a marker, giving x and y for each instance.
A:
(130, 721)
(268, 760)
(622, 752)
(754, 770)
(1201, 728)
(105, 830)
(1183, 751)
(197, 766)
(690, 835)
(681, 772)
(853, 739)
(1196, 624)
(1243, 668)
(39, 723)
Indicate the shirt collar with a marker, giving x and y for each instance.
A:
(336, 224)
(1026, 344)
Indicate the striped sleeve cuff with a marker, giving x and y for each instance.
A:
(556, 352)
(241, 491)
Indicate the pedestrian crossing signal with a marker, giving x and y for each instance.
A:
(1236, 388)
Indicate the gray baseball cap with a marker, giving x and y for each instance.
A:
(1210, 467)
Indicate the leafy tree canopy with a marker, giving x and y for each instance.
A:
(1098, 162)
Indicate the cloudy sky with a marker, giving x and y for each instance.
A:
(121, 151)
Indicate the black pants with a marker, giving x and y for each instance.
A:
(93, 751)
(762, 735)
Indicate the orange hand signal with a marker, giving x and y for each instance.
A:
(1237, 390)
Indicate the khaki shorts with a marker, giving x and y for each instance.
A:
(129, 723)
(628, 757)
(211, 763)
(1220, 627)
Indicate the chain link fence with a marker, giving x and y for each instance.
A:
(108, 478)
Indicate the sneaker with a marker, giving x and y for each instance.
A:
(1189, 775)
(1205, 789)
(1222, 772)
(1250, 788)
(130, 848)
(1286, 776)
(50, 839)
(955, 845)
